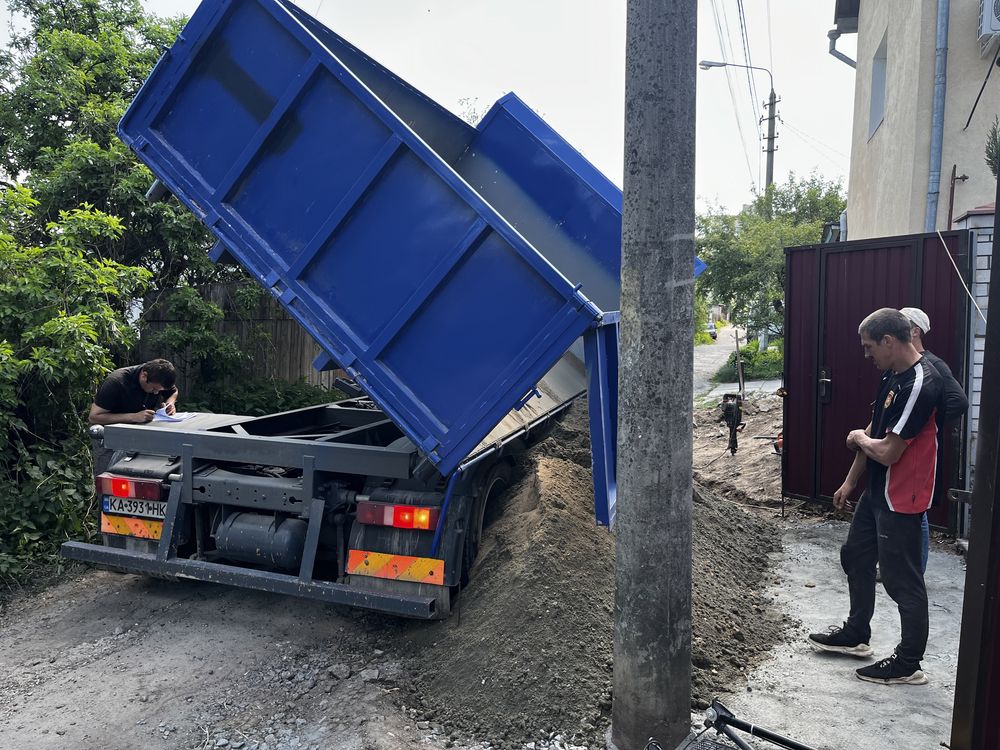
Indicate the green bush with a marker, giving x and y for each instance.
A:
(259, 397)
(61, 312)
(757, 365)
(702, 337)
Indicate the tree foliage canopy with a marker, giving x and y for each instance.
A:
(65, 81)
(745, 252)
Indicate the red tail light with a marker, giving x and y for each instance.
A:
(398, 516)
(141, 489)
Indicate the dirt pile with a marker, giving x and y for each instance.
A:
(529, 652)
(753, 475)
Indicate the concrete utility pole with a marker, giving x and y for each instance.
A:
(772, 101)
(771, 148)
(652, 648)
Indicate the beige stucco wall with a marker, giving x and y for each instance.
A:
(888, 177)
(887, 190)
(966, 149)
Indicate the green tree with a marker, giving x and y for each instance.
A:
(701, 318)
(745, 252)
(60, 313)
(197, 344)
(65, 81)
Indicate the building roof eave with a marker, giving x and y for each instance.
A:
(845, 15)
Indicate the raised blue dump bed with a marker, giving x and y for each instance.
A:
(447, 268)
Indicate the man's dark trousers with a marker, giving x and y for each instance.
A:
(893, 540)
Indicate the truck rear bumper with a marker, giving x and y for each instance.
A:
(422, 607)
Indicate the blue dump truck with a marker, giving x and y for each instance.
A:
(466, 278)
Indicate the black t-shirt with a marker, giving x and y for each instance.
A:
(120, 393)
(954, 402)
(906, 405)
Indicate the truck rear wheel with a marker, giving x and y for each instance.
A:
(497, 481)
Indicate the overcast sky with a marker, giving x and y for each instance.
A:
(566, 59)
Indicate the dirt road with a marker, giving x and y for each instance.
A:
(118, 661)
(111, 661)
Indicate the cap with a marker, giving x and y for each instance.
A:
(918, 317)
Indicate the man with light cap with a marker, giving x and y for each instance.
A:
(953, 403)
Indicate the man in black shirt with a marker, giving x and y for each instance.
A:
(131, 395)
(953, 403)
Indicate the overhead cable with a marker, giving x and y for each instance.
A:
(732, 92)
(751, 81)
(816, 140)
(959, 275)
(770, 49)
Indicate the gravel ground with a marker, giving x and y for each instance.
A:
(104, 660)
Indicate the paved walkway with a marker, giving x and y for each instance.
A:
(753, 387)
(815, 697)
(708, 358)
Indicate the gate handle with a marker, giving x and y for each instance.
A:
(825, 385)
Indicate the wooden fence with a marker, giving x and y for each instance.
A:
(277, 344)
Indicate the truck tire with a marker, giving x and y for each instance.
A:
(497, 481)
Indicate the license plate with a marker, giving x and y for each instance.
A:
(127, 506)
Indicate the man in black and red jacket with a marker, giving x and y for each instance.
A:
(898, 452)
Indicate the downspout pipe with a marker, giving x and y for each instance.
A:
(834, 35)
(937, 115)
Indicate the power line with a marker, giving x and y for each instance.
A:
(731, 75)
(751, 82)
(818, 142)
(825, 157)
(770, 49)
(745, 39)
(836, 162)
(725, 40)
(732, 57)
(732, 92)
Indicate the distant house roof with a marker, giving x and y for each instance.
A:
(845, 15)
(983, 210)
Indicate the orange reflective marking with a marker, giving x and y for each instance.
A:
(143, 528)
(395, 567)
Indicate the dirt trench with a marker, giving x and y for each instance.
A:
(109, 661)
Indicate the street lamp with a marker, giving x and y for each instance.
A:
(771, 101)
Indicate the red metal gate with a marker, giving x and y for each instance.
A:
(829, 289)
